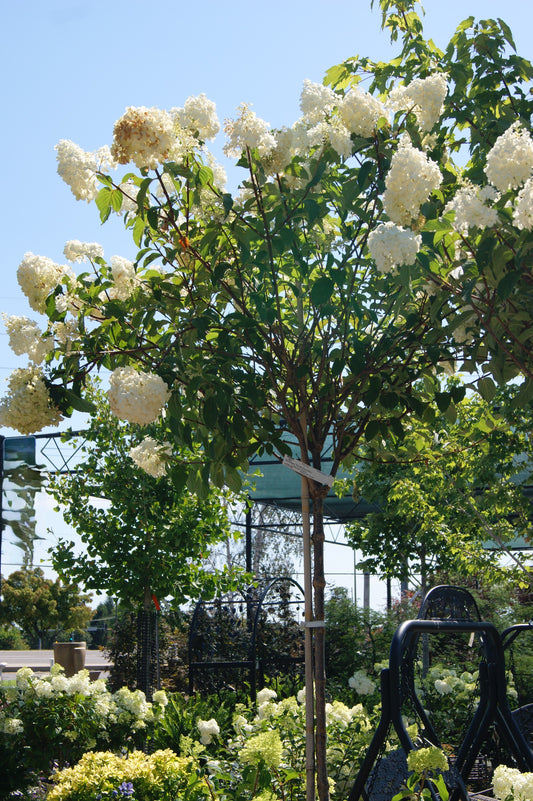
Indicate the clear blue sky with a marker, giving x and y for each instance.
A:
(69, 68)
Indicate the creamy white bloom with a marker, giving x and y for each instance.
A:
(511, 783)
(208, 729)
(38, 276)
(11, 726)
(339, 714)
(76, 251)
(443, 687)
(151, 456)
(410, 180)
(523, 210)
(333, 133)
(79, 168)
(27, 406)
(248, 131)
(471, 209)
(124, 278)
(361, 683)
(266, 694)
(160, 697)
(424, 96)
(360, 111)
(25, 337)
(316, 101)
(391, 245)
(136, 396)
(199, 116)
(510, 161)
(65, 332)
(143, 135)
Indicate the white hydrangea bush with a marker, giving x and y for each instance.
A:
(51, 714)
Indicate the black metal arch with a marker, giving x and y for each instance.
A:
(251, 657)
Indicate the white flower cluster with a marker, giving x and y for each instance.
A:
(248, 131)
(424, 96)
(509, 783)
(362, 683)
(151, 456)
(136, 396)
(208, 729)
(79, 168)
(27, 407)
(447, 681)
(360, 112)
(76, 251)
(125, 278)
(410, 180)
(391, 245)
(126, 707)
(510, 161)
(199, 116)
(471, 209)
(316, 102)
(523, 210)
(143, 135)
(38, 276)
(65, 332)
(341, 715)
(10, 726)
(25, 337)
(333, 133)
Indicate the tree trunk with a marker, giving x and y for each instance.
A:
(319, 585)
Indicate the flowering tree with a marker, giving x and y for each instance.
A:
(379, 239)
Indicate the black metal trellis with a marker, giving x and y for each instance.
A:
(227, 636)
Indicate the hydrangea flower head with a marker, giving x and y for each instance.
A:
(510, 161)
(136, 396)
(427, 759)
(27, 407)
(143, 135)
(79, 168)
(410, 180)
(25, 337)
(38, 276)
(360, 112)
(391, 245)
(265, 747)
(151, 456)
(424, 96)
(208, 729)
(199, 116)
(471, 209)
(248, 131)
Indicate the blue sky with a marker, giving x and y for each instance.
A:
(70, 67)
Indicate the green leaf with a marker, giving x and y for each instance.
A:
(486, 388)
(322, 290)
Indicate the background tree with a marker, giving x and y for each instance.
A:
(141, 537)
(356, 259)
(41, 608)
(447, 491)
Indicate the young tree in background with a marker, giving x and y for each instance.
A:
(141, 537)
(42, 608)
(448, 491)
